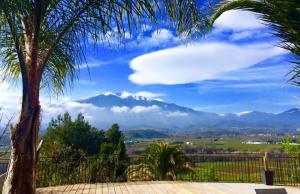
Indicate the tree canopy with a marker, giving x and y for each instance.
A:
(67, 138)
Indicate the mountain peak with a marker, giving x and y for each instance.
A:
(292, 111)
(137, 96)
(131, 100)
(243, 113)
(136, 110)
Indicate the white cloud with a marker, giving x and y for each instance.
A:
(93, 62)
(10, 96)
(146, 94)
(246, 34)
(102, 118)
(246, 86)
(243, 113)
(112, 38)
(89, 65)
(197, 62)
(177, 114)
(141, 109)
(135, 109)
(120, 109)
(161, 37)
(146, 27)
(277, 69)
(52, 110)
(87, 82)
(239, 20)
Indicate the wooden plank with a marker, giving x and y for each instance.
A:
(80, 188)
(93, 188)
(130, 188)
(208, 187)
(137, 186)
(98, 188)
(124, 188)
(146, 187)
(70, 189)
(74, 189)
(86, 189)
(105, 188)
(58, 189)
(150, 187)
(162, 187)
(111, 189)
(175, 188)
(117, 188)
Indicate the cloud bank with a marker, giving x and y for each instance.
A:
(128, 118)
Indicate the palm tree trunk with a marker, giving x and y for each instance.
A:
(21, 174)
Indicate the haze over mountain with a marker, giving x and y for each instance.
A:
(135, 112)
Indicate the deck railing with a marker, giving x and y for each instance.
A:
(204, 168)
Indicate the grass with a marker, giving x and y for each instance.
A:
(239, 145)
(208, 145)
(242, 171)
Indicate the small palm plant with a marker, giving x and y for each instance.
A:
(161, 161)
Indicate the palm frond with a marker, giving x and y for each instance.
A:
(163, 161)
(282, 16)
(65, 28)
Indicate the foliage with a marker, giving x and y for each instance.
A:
(67, 138)
(145, 134)
(76, 150)
(113, 150)
(211, 175)
(162, 161)
(282, 16)
(61, 29)
(291, 146)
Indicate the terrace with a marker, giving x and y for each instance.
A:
(162, 187)
(211, 173)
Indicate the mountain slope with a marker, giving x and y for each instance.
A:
(137, 112)
(110, 100)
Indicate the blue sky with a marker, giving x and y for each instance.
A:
(235, 68)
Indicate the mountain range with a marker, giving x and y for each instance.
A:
(137, 112)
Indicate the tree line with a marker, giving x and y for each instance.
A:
(74, 151)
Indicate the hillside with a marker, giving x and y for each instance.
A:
(139, 112)
(145, 133)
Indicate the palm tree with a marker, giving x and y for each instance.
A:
(43, 42)
(281, 15)
(162, 161)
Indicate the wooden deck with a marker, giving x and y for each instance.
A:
(163, 187)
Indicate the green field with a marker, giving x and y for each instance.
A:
(207, 145)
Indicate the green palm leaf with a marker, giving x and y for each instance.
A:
(281, 15)
(162, 161)
(64, 28)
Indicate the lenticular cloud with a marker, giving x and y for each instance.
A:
(197, 62)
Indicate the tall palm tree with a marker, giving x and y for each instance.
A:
(162, 161)
(281, 15)
(43, 42)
